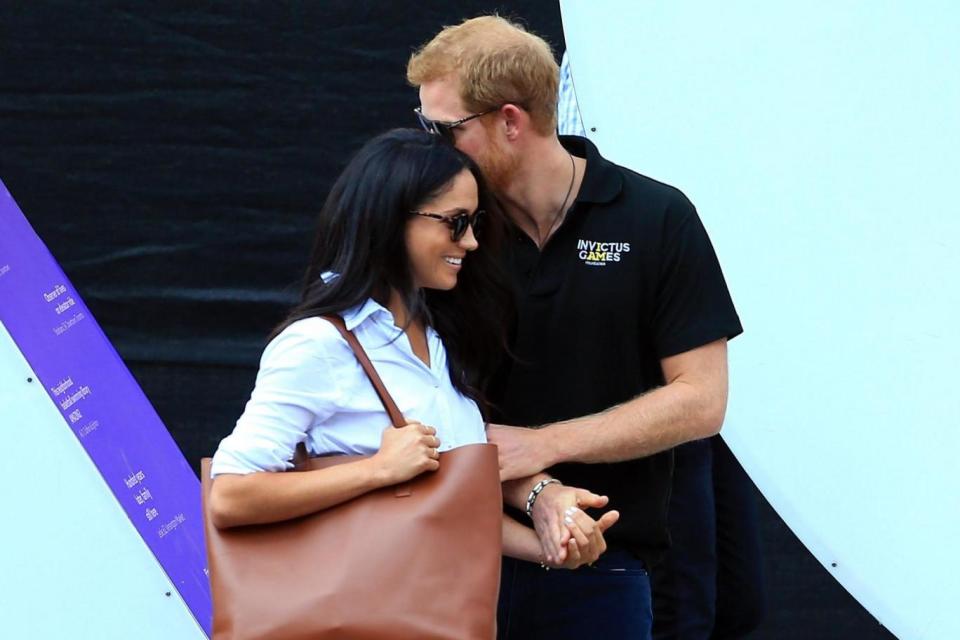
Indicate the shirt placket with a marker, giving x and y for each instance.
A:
(442, 401)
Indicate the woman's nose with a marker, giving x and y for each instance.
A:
(469, 240)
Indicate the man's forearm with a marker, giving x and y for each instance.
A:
(648, 424)
(690, 406)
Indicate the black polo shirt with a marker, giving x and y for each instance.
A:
(630, 277)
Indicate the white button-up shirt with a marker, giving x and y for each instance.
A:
(569, 120)
(311, 388)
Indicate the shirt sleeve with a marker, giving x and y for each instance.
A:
(693, 305)
(297, 387)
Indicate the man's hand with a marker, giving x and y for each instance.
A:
(586, 534)
(522, 452)
(557, 504)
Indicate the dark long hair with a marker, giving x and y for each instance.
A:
(360, 236)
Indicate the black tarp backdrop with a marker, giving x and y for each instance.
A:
(172, 156)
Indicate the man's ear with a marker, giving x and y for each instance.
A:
(515, 119)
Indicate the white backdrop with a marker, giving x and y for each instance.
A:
(820, 142)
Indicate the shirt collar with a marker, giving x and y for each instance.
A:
(354, 316)
(602, 182)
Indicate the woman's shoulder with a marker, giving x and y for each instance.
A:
(309, 338)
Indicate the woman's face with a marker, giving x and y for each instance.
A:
(435, 258)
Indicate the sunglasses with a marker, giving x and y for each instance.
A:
(445, 129)
(458, 223)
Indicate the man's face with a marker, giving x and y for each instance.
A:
(440, 100)
(478, 138)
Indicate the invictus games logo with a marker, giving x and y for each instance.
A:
(598, 254)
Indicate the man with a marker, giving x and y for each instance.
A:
(620, 342)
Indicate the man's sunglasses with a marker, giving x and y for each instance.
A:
(445, 129)
(458, 223)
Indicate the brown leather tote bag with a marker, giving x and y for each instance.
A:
(416, 561)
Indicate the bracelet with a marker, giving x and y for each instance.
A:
(537, 488)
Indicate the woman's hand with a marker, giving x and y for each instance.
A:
(549, 514)
(586, 542)
(406, 452)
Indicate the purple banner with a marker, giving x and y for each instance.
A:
(104, 407)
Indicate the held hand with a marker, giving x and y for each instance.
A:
(549, 512)
(407, 452)
(586, 542)
(520, 450)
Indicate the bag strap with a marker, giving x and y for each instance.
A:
(392, 410)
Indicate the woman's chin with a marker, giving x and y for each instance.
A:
(443, 284)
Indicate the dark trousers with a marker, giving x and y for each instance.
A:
(710, 585)
(610, 600)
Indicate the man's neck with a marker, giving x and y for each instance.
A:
(540, 189)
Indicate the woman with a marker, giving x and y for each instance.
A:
(398, 256)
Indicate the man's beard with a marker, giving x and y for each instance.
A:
(498, 166)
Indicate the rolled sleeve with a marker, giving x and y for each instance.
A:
(296, 388)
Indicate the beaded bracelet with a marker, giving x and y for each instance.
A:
(537, 488)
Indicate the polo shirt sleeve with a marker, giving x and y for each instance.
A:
(693, 305)
(297, 386)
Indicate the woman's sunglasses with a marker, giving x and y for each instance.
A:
(458, 223)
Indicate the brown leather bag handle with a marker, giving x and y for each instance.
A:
(392, 410)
